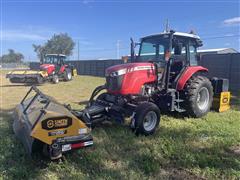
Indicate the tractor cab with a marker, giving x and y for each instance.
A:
(58, 59)
(53, 63)
(176, 48)
(161, 47)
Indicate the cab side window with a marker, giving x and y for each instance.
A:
(160, 55)
(193, 55)
(179, 52)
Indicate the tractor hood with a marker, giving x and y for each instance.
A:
(46, 66)
(129, 67)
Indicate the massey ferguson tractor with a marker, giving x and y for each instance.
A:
(164, 76)
(53, 69)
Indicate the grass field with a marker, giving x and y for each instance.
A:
(181, 148)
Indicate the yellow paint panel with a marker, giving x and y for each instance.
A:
(29, 72)
(224, 101)
(74, 72)
(221, 102)
(44, 73)
(43, 134)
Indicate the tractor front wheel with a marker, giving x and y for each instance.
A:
(146, 118)
(198, 96)
(55, 79)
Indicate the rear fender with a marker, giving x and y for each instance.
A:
(63, 68)
(187, 74)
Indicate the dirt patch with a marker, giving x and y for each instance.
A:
(178, 174)
(235, 150)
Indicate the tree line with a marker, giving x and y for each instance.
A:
(58, 44)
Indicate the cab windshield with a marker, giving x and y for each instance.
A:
(50, 59)
(54, 59)
(153, 48)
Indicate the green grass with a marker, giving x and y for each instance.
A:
(181, 148)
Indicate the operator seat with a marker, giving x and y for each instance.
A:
(177, 64)
(178, 60)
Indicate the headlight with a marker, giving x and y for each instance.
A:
(118, 73)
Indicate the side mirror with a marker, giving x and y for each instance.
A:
(125, 59)
(133, 45)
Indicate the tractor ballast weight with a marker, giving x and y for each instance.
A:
(43, 124)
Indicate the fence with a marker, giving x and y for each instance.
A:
(8, 66)
(219, 65)
(88, 67)
(224, 66)
(94, 67)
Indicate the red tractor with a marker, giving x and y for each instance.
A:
(164, 76)
(53, 68)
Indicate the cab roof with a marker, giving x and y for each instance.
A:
(62, 55)
(180, 34)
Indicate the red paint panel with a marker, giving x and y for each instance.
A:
(48, 67)
(62, 69)
(134, 79)
(128, 65)
(78, 145)
(188, 74)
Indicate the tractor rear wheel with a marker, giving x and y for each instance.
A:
(198, 96)
(146, 118)
(67, 75)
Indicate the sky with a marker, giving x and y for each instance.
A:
(103, 27)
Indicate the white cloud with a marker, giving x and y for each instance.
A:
(232, 22)
(14, 35)
(87, 1)
(35, 34)
(27, 33)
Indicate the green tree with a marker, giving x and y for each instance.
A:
(59, 44)
(12, 57)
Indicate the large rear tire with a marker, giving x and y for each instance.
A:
(198, 96)
(146, 118)
(67, 75)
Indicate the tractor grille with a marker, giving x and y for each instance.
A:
(114, 83)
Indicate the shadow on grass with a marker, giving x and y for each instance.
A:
(159, 155)
(21, 85)
(119, 154)
(235, 101)
(14, 162)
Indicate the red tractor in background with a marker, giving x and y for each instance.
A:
(165, 76)
(53, 68)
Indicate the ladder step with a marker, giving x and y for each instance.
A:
(180, 110)
(179, 100)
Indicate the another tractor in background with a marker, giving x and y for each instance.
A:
(53, 69)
